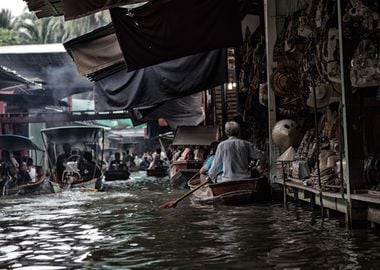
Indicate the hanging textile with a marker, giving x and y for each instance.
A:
(96, 54)
(151, 86)
(185, 111)
(74, 9)
(164, 30)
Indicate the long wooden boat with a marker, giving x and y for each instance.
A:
(42, 186)
(231, 192)
(113, 175)
(160, 172)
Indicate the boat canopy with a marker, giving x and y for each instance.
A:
(16, 143)
(72, 134)
(195, 135)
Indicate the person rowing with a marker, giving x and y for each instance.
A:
(234, 155)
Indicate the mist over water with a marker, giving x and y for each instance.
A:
(123, 228)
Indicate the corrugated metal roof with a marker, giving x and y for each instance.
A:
(45, 8)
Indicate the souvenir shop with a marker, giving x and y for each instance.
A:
(321, 100)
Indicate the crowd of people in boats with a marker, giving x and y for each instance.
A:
(17, 170)
(224, 161)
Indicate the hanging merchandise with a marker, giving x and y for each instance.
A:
(263, 94)
(372, 171)
(253, 61)
(283, 83)
(365, 65)
(332, 57)
(322, 96)
(361, 19)
(286, 133)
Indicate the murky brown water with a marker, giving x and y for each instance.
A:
(124, 229)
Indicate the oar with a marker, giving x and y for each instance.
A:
(173, 204)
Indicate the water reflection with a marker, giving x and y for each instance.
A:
(123, 228)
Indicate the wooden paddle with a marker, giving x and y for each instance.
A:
(173, 204)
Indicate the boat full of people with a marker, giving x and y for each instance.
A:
(117, 170)
(75, 157)
(18, 173)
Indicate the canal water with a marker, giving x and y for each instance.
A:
(123, 228)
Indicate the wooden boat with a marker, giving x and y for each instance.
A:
(85, 139)
(159, 172)
(181, 178)
(8, 180)
(42, 186)
(181, 165)
(231, 192)
(113, 175)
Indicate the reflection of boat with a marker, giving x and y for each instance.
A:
(8, 180)
(230, 192)
(81, 169)
(112, 175)
(159, 172)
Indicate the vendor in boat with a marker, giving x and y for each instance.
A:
(8, 165)
(23, 176)
(88, 168)
(144, 164)
(157, 162)
(61, 159)
(117, 163)
(210, 159)
(234, 154)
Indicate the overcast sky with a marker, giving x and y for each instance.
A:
(16, 6)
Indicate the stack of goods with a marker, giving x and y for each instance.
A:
(372, 172)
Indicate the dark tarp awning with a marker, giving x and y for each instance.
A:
(177, 112)
(160, 31)
(149, 87)
(31, 101)
(199, 135)
(73, 8)
(46, 63)
(96, 53)
(16, 143)
(72, 134)
(78, 8)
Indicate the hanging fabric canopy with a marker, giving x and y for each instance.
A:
(74, 9)
(149, 87)
(160, 31)
(96, 54)
(177, 112)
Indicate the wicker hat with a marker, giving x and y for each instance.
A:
(288, 155)
(322, 96)
(282, 84)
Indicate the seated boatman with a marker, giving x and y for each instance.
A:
(234, 154)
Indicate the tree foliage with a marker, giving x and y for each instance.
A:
(28, 29)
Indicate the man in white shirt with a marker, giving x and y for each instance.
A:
(234, 154)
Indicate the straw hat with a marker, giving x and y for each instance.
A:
(282, 83)
(322, 96)
(288, 155)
